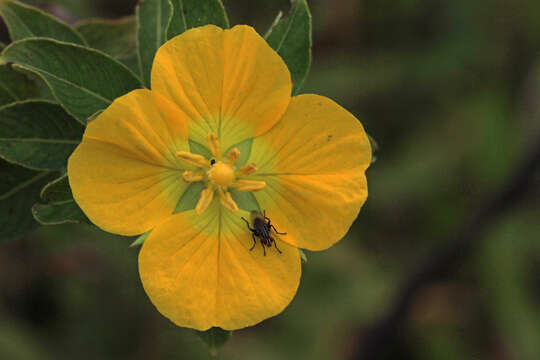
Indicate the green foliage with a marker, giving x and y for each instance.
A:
(140, 239)
(15, 86)
(291, 38)
(57, 190)
(214, 338)
(37, 134)
(61, 208)
(187, 14)
(152, 21)
(19, 190)
(83, 80)
(59, 213)
(25, 21)
(116, 38)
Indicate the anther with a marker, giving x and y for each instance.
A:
(213, 145)
(190, 176)
(192, 159)
(248, 169)
(206, 198)
(233, 155)
(249, 185)
(227, 201)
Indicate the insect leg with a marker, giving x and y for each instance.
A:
(275, 244)
(264, 250)
(277, 232)
(247, 223)
(254, 242)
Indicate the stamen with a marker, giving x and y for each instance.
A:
(233, 155)
(213, 145)
(248, 169)
(249, 185)
(227, 201)
(190, 176)
(193, 159)
(206, 198)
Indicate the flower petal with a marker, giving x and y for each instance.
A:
(199, 271)
(314, 163)
(124, 174)
(229, 82)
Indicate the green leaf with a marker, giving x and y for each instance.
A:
(152, 20)
(19, 190)
(57, 190)
(187, 14)
(140, 240)
(116, 38)
(83, 80)
(37, 134)
(190, 197)
(15, 86)
(291, 38)
(59, 213)
(303, 256)
(215, 338)
(62, 208)
(25, 21)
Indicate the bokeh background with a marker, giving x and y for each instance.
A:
(451, 92)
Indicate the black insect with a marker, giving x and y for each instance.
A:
(262, 230)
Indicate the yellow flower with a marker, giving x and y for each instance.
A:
(219, 135)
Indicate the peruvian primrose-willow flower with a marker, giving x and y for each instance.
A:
(218, 136)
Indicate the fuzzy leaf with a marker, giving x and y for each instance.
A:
(19, 190)
(214, 338)
(140, 239)
(152, 20)
(187, 14)
(57, 190)
(15, 86)
(25, 21)
(59, 213)
(38, 134)
(291, 38)
(83, 80)
(116, 38)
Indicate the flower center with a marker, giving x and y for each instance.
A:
(221, 174)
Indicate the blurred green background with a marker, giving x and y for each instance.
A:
(451, 92)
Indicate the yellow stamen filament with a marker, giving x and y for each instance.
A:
(190, 176)
(192, 159)
(248, 169)
(206, 198)
(213, 144)
(233, 155)
(249, 185)
(227, 201)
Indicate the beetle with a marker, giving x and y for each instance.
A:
(261, 230)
